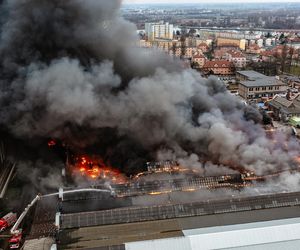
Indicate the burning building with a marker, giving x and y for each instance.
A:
(70, 71)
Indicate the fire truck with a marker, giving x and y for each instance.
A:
(7, 221)
(15, 240)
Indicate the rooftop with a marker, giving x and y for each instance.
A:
(264, 82)
(289, 107)
(218, 64)
(256, 79)
(235, 54)
(251, 74)
(280, 234)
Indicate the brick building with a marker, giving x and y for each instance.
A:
(219, 67)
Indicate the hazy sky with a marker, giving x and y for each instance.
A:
(207, 1)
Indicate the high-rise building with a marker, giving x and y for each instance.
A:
(159, 30)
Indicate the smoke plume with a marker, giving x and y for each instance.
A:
(70, 70)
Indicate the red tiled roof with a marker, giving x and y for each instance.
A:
(203, 45)
(198, 56)
(218, 64)
(235, 54)
(267, 53)
(295, 40)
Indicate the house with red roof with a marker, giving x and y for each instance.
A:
(219, 67)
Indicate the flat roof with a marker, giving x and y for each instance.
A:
(171, 211)
(260, 224)
(251, 74)
(267, 81)
(277, 234)
(117, 235)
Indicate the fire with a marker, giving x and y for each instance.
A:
(159, 193)
(95, 168)
(51, 143)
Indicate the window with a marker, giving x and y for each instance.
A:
(264, 88)
(270, 88)
(251, 89)
(256, 89)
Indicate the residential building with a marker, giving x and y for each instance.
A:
(237, 58)
(219, 54)
(241, 43)
(159, 30)
(256, 86)
(268, 42)
(203, 47)
(198, 60)
(144, 44)
(283, 109)
(253, 49)
(190, 51)
(267, 56)
(218, 67)
(260, 43)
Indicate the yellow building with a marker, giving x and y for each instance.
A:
(241, 43)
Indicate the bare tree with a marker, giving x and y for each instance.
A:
(173, 48)
(183, 45)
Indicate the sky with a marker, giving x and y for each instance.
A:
(206, 1)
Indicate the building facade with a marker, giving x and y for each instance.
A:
(159, 30)
(218, 67)
(284, 109)
(256, 86)
(237, 58)
(199, 60)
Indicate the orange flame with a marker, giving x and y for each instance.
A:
(94, 168)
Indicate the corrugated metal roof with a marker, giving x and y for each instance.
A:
(276, 234)
(287, 245)
(182, 243)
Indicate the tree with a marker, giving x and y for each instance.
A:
(183, 45)
(173, 48)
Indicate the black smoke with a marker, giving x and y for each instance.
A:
(71, 70)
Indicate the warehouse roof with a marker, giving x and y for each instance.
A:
(279, 234)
